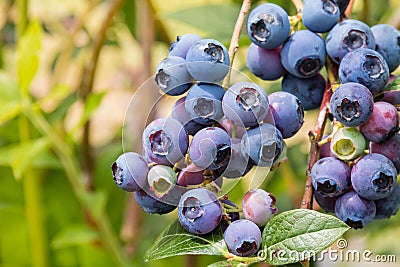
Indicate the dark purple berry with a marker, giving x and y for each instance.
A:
(354, 210)
(390, 148)
(151, 205)
(182, 44)
(388, 206)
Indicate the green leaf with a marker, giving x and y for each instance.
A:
(228, 264)
(9, 111)
(97, 202)
(33, 153)
(74, 236)
(9, 90)
(175, 240)
(295, 235)
(203, 17)
(28, 50)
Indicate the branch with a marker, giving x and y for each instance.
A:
(86, 88)
(234, 44)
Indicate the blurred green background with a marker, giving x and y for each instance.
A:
(68, 70)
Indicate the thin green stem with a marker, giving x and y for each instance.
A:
(74, 175)
(22, 9)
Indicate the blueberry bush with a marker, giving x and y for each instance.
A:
(197, 133)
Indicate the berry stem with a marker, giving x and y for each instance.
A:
(234, 44)
(315, 135)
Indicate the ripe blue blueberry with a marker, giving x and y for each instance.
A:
(347, 36)
(354, 210)
(243, 238)
(262, 144)
(210, 148)
(265, 63)
(152, 205)
(373, 176)
(347, 143)
(330, 177)
(172, 76)
(287, 111)
(383, 123)
(246, 104)
(182, 44)
(259, 206)
(161, 180)
(303, 54)
(309, 91)
(208, 60)
(165, 141)
(387, 40)
(204, 103)
(352, 104)
(320, 15)
(130, 171)
(180, 114)
(199, 211)
(390, 148)
(364, 66)
(388, 206)
(268, 25)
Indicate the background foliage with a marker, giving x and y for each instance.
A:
(67, 72)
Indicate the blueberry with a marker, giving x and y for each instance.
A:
(287, 111)
(364, 66)
(259, 206)
(180, 114)
(265, 63)
(151, 205)
(352, 104)
(325, 149)
(190, 175)
(203, 103)
(130, 171)
(347, 36)
(246, 104)
(388, 206)
(165, 141)
(383, 123)
(392, 97)
(390, 148)
(347, 144)
(161, 180)
(199, 211)
(320, 15)
(373, 176)
(239, 165)
(303, 54)
(326, 203)
(309, 91)
(262, 144)
(268, 25)
(210, 148)
(330, 177)
(208, 60)
(172, 76)
(243, 238)
(387, 40)
(182, 44)
(354, 210)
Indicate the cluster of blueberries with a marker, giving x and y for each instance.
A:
(215, 133)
